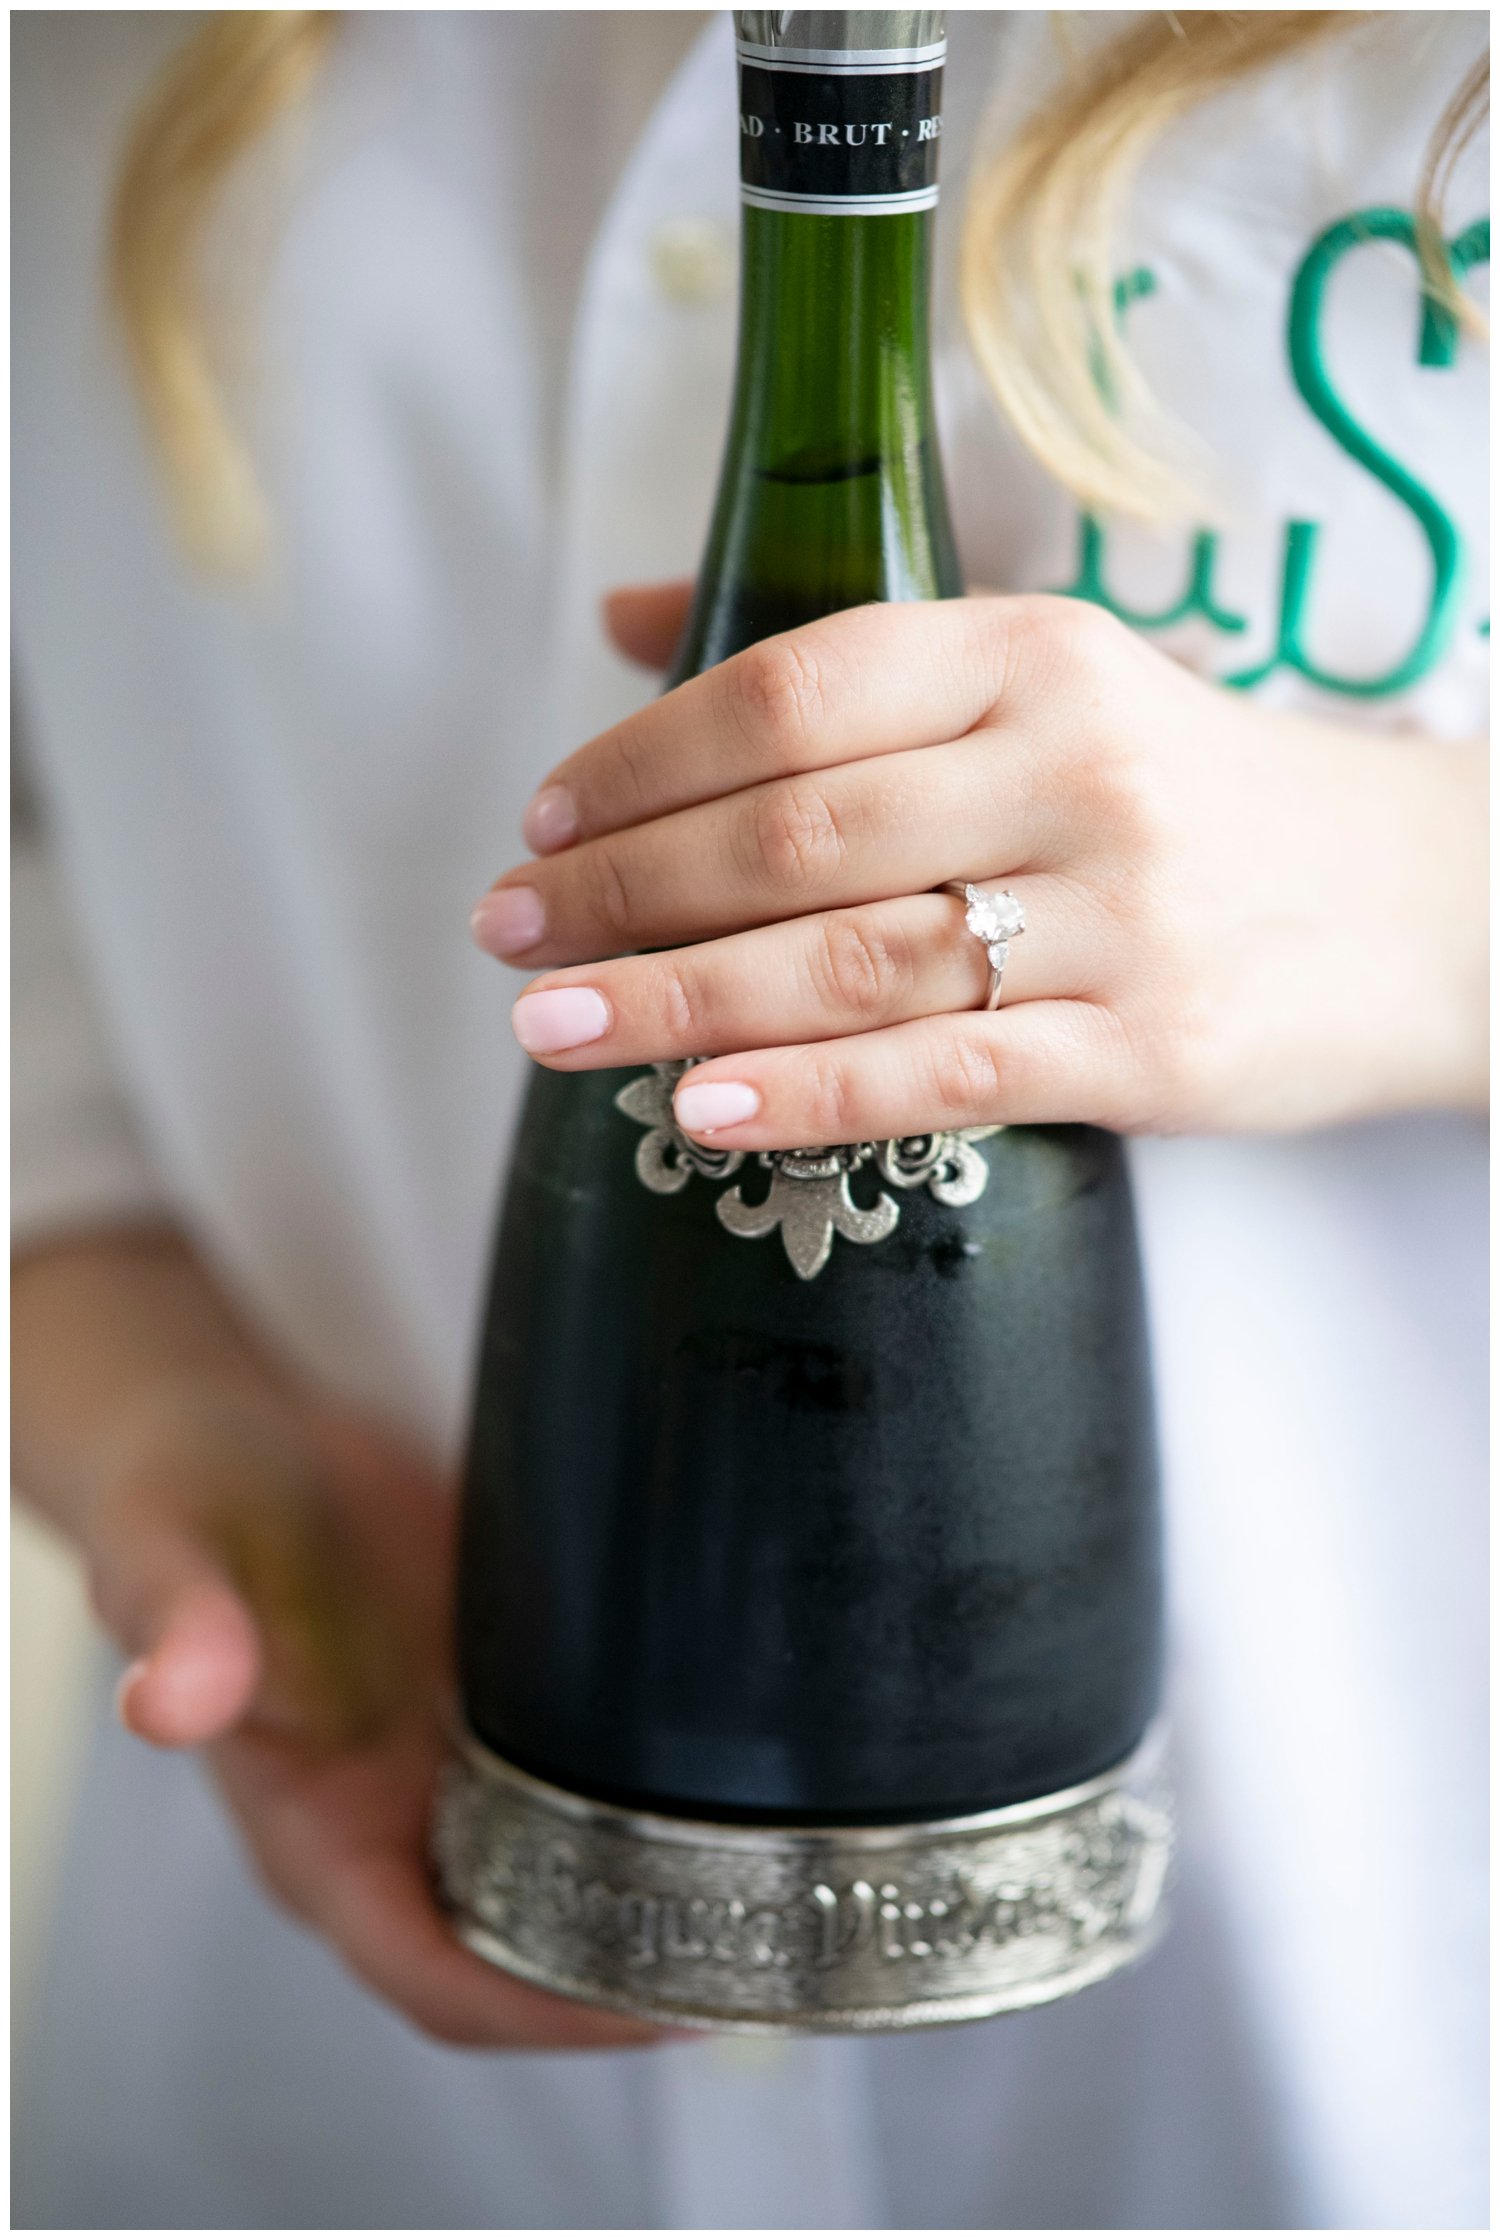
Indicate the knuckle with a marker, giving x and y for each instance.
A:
(1113, 783)
(1163, 1067)
(1054, 639)
(827, 1099)
(1130, 1094)
(1086, 631)
(680, 1000)
(796, 839)
(1189, 1065)
(778, 692)
(864, 968)
(965, 1075)
(608, 894)
(631, 777)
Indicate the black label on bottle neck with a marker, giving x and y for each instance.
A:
(854, 134)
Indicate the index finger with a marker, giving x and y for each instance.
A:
(870, 681)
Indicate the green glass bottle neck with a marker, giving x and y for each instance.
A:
(831, 493)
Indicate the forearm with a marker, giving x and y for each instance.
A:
(103, 1328)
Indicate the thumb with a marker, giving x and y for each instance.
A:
(200, 1660)
(645, 620)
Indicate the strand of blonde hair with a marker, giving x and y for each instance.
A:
(236, 76)
(1458, 127)
(1037, 263)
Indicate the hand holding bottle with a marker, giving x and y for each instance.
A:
(281, 1575)
(1236, 919)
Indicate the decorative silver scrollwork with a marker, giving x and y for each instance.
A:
(665, 1158)
(809, 1199)
(952, 1169)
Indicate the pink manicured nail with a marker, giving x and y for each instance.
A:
(559, 1019)
(703, 1106)
(550, 821)
(508, 920)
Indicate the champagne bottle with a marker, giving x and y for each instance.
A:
(809, 1593)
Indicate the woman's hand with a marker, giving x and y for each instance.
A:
(281, 1577)
(1235, 919)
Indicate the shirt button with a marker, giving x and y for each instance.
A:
(693, 260)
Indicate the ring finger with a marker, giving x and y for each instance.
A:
(825, 840)
(842, 972)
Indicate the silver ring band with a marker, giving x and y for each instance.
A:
(994, 917)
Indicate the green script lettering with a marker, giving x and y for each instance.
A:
(1089, 581)
(1437, 346)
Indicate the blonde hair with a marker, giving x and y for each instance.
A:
(235, 77)
(1036, 261)
(1037, 271)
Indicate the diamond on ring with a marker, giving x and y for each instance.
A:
(993, 916)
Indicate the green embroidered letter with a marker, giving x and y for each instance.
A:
(1089, 581)
(1437, 346)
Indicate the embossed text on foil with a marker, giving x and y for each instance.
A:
(824, 1928)
(858, 1932)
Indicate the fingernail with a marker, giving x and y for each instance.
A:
(559, 1019)
(508, 920)
(550, 821)
(703, 1106)
(126, 1688)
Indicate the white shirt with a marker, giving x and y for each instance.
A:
(269, 811)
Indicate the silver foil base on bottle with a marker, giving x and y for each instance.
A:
(790, 1930)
